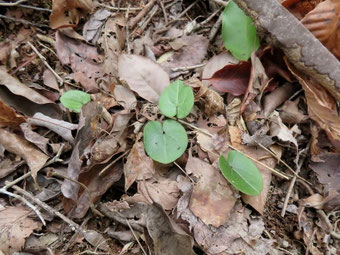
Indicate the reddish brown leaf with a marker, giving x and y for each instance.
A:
(232, 79)
(67, 13)
(8, 117)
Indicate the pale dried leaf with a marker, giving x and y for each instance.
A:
(35, 138)
(62, 128)
(143, 76)
(212, 199)
(50, 80)
(96, 239)
(281, 131)
(125, 97)
(93, 26)
(138, 165)
(15, 227)
(13, 143)
(8, 117)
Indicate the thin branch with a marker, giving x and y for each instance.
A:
(10, 4)
(119, 8)
(142, 13)
(22, 199)
(24, 21)
(134, 235)
(220, 2)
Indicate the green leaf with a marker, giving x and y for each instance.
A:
(75, 99)
(165, 142)
(238, 32)
(176, 99)
(241, 172)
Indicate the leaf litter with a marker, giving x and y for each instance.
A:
(263, 107)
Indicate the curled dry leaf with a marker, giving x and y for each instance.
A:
(67, 13)
(143, 76)
(324, 22)
(60, 127)
(92, 27)
(8, 117)
(15, 226)
(84, 60)
(138, 165)
(13, 143)
(216, 63)
(167, 238)
(321, 108)
(211, 195)
(281, 131)
(50, 80)
(291, 114)
(96, 239)
(35, 138)
(125, 97)
(232, 79)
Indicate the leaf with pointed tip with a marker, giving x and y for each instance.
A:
(241, 172)
(75, 99)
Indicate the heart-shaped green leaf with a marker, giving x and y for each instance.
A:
(238, 32)
(165, 142)
(176, 99)
(241, 172)
(75, 99)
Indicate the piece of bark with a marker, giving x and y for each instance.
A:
(279, 27)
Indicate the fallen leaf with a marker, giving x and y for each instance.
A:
(35, 138)
(143, 76)
(8, 117)
(15, 227)
(93, 26)
(211, 195)
(138, 165)
(67, 13)
(160, 190)
(112, 41)
(167, 240)
(60, 127)
(84, 60)
(50, 80)
(323, 22)
(125, 97)
(13, 143)
(232, 78)
(96, 239)
(192, 53)
(291, 114)
(7, 167)
(281, 131)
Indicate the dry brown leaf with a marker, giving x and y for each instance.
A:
(138, 165)
(84, 60)
(167, 239)
(20, 89)
(96, 239)
(281, 131)
(7, 167)
(93, 27)
(15, 227)
(324, 22)
(13, 143)
(291, 114)
(125, 97)
(8, 117)
(321, 108)
(160, 190)
(143, 76)
(212, 199)
(35, 138)
(50, 80)
(67, 13)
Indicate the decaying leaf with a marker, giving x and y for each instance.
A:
(291, 114)
(232, 79)
(84, 60)
(211, 195)
(167, 240)
(138, 166)
(125, 97)
(35, 138)
(8, 117)
(15, 227)
(96, 239)
(92, 27)
(13, 143)
(143, 76)
(67, 13)
(281, 131)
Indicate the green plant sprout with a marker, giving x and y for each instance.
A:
(75, 99)
(238, 32)
(167, 141)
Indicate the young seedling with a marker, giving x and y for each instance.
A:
(238, 32)
(75, 99)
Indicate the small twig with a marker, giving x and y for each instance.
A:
(181, 14)
(24, 21)
(127, 26)
(119, 8)
(112, 163)
(134, 235)
(186, 174)
(43, 59)
(148, 19)
(22, 199)
(34, 8)
(215, 28)
(46, 207)
(220, 2)
(142, 13)
(8, 4)
(187, 68)
(163, 10)
(310, 242)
